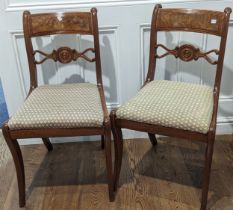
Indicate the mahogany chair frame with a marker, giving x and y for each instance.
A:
(199, 21)
(34, 25)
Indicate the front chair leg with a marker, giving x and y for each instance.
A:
(48, 144)
(207, 170)
(153, 139)
(107, 143)
(118, 145)
(18, 161)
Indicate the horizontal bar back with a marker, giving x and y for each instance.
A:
(60, 23)
(202, 21)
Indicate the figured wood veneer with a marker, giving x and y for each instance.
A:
(59, 23)
(203, 21)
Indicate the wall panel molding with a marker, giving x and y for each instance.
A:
(19, 5)
(114, 29)
(230, 97)
(14, 36)
(224, 120)
(145, 27)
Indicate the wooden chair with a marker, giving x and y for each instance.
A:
(60, 110)
(172, 108)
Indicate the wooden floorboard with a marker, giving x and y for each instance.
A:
(164, 177)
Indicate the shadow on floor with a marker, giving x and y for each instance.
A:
(172, 161)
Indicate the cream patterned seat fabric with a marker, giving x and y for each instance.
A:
(171, 104)
(60, 106)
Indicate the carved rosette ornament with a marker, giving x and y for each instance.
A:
(64, 55)
(187, 53)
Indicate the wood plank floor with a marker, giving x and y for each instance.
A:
(168, 176)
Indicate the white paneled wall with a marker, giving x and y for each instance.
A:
(124, 27)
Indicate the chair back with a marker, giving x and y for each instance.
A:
(43, 24)
(190, 20)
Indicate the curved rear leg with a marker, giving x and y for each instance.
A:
(119, 153)
(18, 160)
(153, 139)
(48, 144)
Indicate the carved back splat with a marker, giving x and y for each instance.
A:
(42, 24)
(64, 55)
(187, 53)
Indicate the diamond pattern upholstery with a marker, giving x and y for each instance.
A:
(171, 104)
(60, 106)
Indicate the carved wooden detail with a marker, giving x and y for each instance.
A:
(195, 20)
(187, 53)
(64, 55)
(57, 23)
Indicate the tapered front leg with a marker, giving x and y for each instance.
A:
(153, 139)
(48, 144)
(107, 144)
(207, 170)
(118, 145)
(119, 142)
(18, 161)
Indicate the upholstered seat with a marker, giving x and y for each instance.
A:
(171, 104)
(60, 106)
